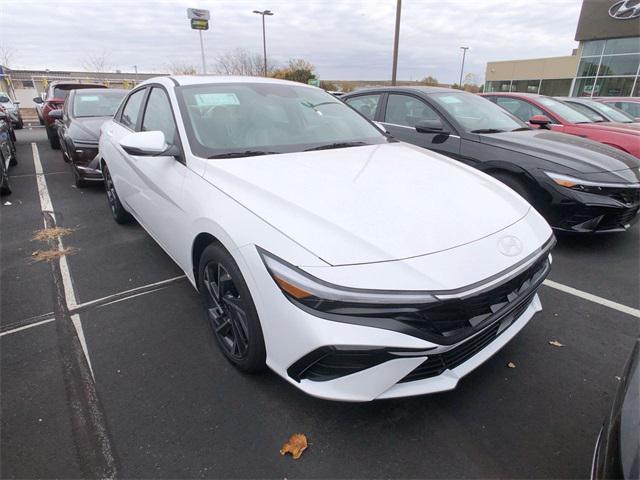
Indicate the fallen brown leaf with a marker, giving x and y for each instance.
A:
(50, 233)
(49, 255)
(296, 444)
(556, 343)
(511, 365)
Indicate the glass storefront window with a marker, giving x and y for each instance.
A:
(525, 86)
(614, 86)
(619, 65)
(622, 45)
(593, 47)
(498, 86)
(584, 88)
(556, 88)
(588, 67)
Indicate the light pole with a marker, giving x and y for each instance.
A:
(396, 40)
(264, 37)
(464, 54)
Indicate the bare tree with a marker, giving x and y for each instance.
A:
(243, 62)
(7, 53)
(180, 68)
(96, 62)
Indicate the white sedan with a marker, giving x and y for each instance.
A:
(354, 266)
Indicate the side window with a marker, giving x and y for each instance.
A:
(408, 111)
(365, 104)
(592, 114)
(131, 110)
(158, 115)
(521, 109)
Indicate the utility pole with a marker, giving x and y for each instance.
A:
(204, 65)
(464, 54)
(395, 43)
(264, 36)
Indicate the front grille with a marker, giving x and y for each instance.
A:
(628, 196)
(449, 321)
(618, 219)
(437, 364)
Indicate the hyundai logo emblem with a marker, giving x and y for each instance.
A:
(625, 9)
(510, 246)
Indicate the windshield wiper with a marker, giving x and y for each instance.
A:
(487, 130)
(329, 146)
(246, 153)
(520, 129)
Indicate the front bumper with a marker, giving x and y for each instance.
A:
(86, 162)
(395, 362)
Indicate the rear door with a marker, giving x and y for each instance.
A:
(403, 112)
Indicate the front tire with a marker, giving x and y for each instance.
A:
(515, 184)
(54, 141)
(120, 215)
(230, 311)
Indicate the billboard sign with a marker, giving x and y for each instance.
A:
(197, 14)
(199, 24)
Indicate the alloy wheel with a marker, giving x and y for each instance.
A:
(226, 311)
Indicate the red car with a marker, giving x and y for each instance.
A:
(56, 94)
(541, 111)
(631, 105)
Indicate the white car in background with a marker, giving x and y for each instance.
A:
(354, 266)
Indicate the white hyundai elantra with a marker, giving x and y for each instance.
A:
(354, 266)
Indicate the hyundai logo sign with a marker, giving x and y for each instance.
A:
(510, 246)
(625, 9)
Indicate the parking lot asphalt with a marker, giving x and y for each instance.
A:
(174, 408)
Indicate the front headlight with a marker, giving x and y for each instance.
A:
(585, 185)
(307, 290)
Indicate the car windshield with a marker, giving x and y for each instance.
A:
(563, 110)
(97, 104)
(615, 114)
(240, 119)
(476, 114)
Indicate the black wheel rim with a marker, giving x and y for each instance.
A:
(111, 190)
(226, 311)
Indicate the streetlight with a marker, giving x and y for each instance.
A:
(264, 38)
(464, 54)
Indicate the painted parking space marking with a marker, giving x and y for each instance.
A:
(593, 298)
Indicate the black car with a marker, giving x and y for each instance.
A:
(578, 185)
(7, 152)
(78, 128)
(597, 111)
(617, 452)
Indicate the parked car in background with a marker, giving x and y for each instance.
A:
(597, 111)
(78, 126)
(578, 185)
(54, 99)
(13, 110)
(7, 152)
(541, 111)
(631, 105)
(322, 247)
(39, 107)
(617, 451)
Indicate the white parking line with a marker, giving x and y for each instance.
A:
(70, 295)
(25, 327)
(593, 298)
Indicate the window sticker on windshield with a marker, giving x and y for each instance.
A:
(450, 99)
(89, 98)
(216, 99)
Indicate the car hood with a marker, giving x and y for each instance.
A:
(369, 204)
(580, 154)
(86, 129)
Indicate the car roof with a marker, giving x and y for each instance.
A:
(183, 80)
(514, 94)
(417, 89)
(618, 99)
(98, 90)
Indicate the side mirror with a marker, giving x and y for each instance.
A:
(147, 144)
(38, 100)
(431, 126)
(541, 121)
(56, 114)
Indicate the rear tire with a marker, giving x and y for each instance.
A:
(14, 159)
(54, 141)
(120, 215)
(20, 125)
(230, 311)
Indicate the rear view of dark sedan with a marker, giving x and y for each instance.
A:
(578, 185)
(78, 128)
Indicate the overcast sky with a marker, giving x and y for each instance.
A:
(344, 39)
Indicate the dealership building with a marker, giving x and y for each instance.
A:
(606, 62)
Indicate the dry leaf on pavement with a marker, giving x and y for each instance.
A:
(556, 343)
(511, 365)
(296, 444)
